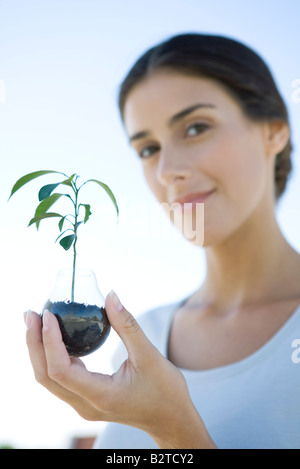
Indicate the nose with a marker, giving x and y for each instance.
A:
(172, 167)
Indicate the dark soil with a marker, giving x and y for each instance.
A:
(84, 327)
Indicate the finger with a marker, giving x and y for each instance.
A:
(35, 346)
(34, 339)
(136, 342)
(66, 372)
(52, 340)
(38, 360)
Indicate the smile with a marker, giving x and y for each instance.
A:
(190, 200)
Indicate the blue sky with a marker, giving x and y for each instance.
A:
(61, 63)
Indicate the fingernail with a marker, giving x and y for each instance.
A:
(46, 315)
(115, 301)
(27, 318)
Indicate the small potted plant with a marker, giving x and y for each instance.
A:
(76, 300)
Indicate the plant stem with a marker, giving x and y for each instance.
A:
(74, 269)
(75, 241)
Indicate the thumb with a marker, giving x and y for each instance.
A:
(125, 325)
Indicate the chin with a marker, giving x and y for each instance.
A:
(204, 230)
(191, 225)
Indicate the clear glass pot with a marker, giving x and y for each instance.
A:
(79, 307)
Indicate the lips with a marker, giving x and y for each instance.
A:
(194, 197)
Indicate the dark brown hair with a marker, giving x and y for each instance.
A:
(241, 70)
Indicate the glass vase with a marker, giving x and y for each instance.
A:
(79, 307)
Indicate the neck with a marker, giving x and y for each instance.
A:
(253, 266)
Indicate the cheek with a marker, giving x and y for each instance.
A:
(152, 182)
(240, 172)
(240, 166)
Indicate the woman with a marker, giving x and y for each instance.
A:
(215, 370)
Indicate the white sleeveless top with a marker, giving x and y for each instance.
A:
(251, 404)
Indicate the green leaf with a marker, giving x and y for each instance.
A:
(69, 229)
(63, 219)
(67, 242)
(108, 191)
(88, 212)
(47, 190)
(44, 215)
(68, 182)
(45, 205)
(29, 177)
(61, 223)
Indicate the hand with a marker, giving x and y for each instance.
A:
(147, 391)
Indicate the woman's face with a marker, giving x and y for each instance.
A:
(196, 145)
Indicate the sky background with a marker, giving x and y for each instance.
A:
(61, 64)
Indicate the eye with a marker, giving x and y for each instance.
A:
(196, 129)
(148, 151)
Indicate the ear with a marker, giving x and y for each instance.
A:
(276, 136)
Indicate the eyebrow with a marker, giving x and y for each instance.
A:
(177, 117)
